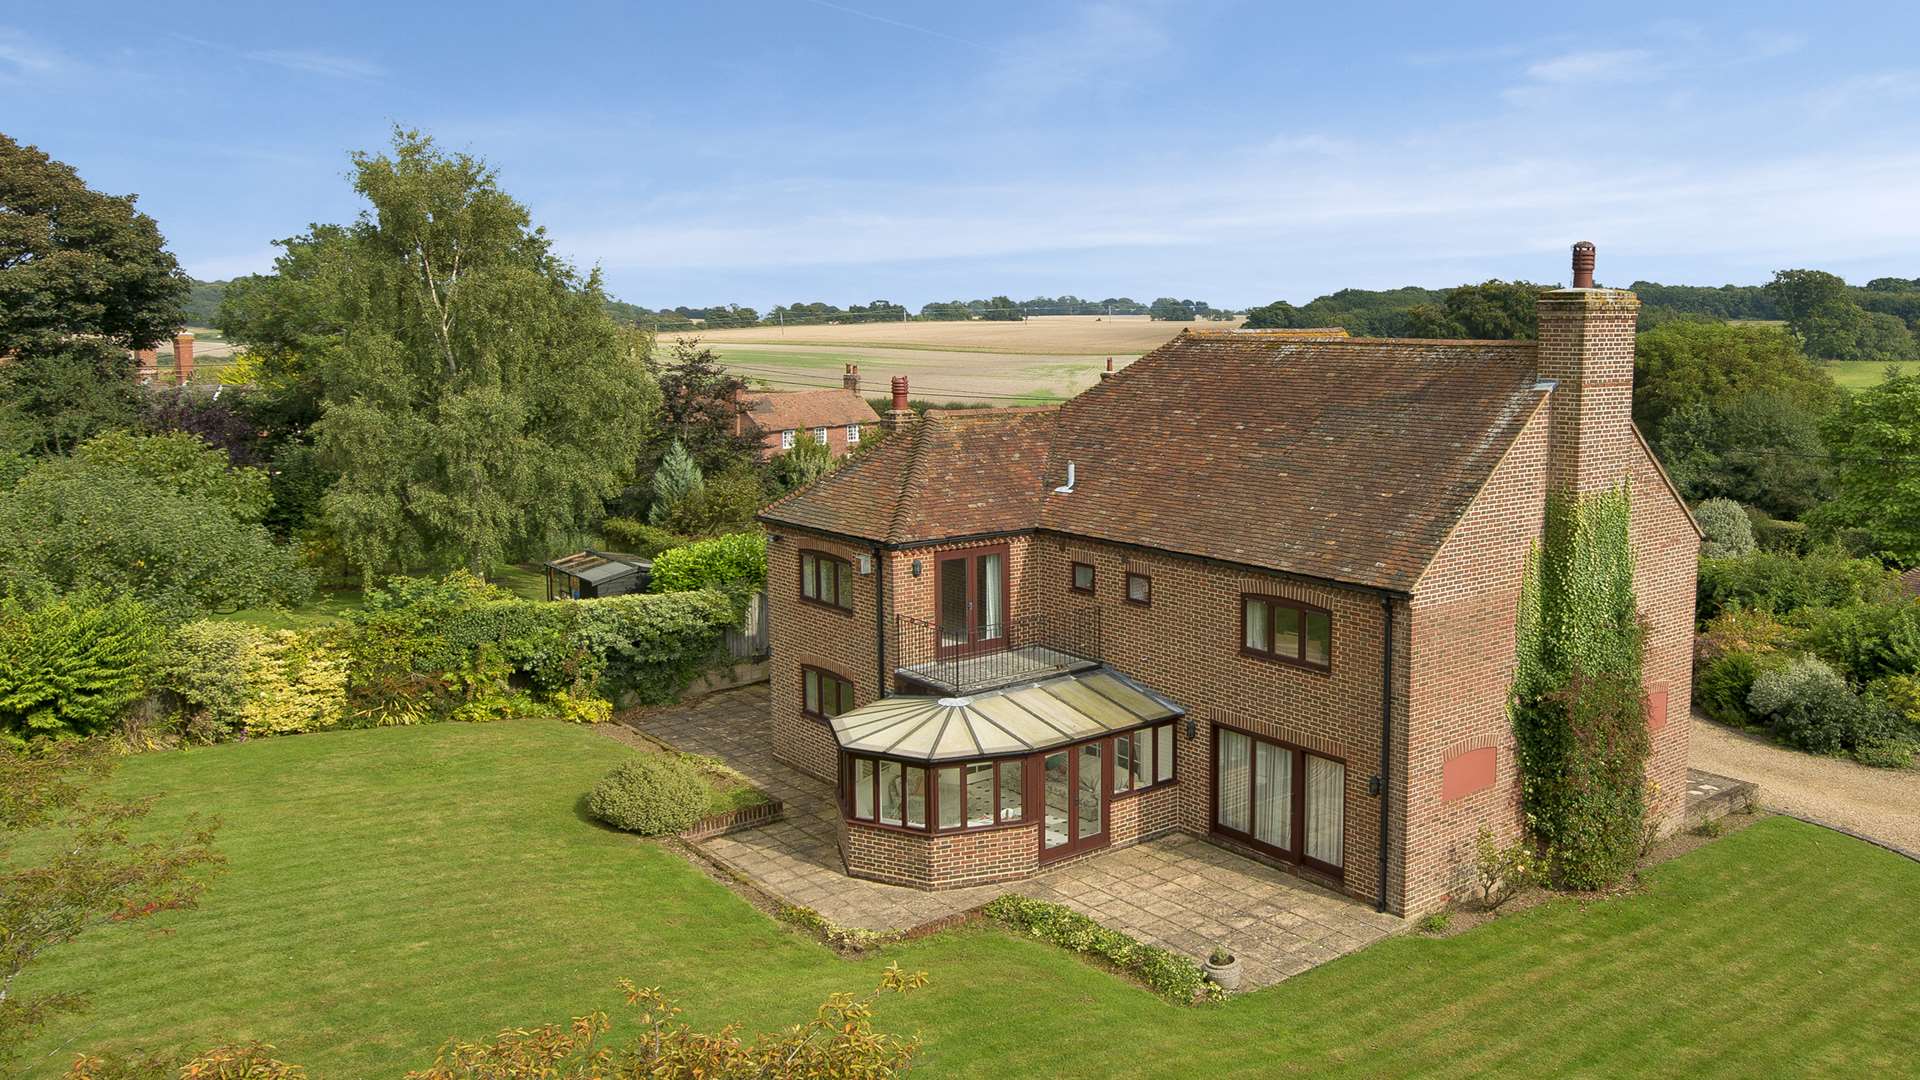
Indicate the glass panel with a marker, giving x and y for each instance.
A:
(916, 797)
(1082, 576)
(828, 594)
(1054, 832)
(1236, 754)
(1163, 760)
(979, 793)
(807, 588)
(1326, 808)
(1286, 631)
(1256, 619)
(1138, 588)
(863, 788)
(1273, 795)
(953, 602)
(812, 680)
(1122, 763)
(890, 792)
(1142, 758)
(993, 580)
(846, 697)
(950, 798)
(1012, 794)
(1319, 637)
(1087, 792)
(853, 434)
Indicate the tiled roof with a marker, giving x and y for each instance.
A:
(796, 409)
(951, 473)
(1345, 459)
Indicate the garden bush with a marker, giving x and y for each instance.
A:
(735, 565)
(631, 537)
(70, 667)
(652, 794)
(1783, 537)
(1808, 705)
(1166, 973)
(1780, 583)
(1728, 531)
(230, 678)
(1867, 641)
(1721, 687)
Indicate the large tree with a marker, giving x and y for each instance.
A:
(84, 278)
(472, 394)
(1875, 442)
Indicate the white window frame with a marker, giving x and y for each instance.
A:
(786, 439)
(820, 435)
(853, 434)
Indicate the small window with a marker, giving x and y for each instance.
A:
(1285, 630)
(1142, 758)
(826, 579)
(820, 435)
(1082, 577)
(853, 434)
(823, 694)
(1139, 589)
(786, 440)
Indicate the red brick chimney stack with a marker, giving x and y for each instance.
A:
(851, 378)
(148, 362)
(1107, 374)
(1586, 348)
(182, 358)
(899, 413)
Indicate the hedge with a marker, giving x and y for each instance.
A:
(630, 537)
(735, 565)
(1166, 973)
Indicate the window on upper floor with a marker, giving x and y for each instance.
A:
(1082, 577)
(820, 435)
(853, 434)
(786, 440)
(1286, 630)
(826, 579)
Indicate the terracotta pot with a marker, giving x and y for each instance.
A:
(1226, 975)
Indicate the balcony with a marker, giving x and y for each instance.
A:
(1025, 648)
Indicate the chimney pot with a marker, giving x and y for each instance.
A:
(900, 413)
(1583, 265)
(1107, 374)
(850, 378)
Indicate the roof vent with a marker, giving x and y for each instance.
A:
(1066, 488)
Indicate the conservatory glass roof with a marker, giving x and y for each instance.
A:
(1014, 720)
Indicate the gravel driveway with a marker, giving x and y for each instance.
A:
(1881, 803)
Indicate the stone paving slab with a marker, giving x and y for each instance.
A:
(1178, 892)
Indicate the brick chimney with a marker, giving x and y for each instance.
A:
(148, 363)
(1586, 348)
(851, 378)
(182, 358)
(1107, 374)
(899, 414)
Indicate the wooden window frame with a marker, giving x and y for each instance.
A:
(822, 674)
(1073, 578)
(820, 558)
(932, 770)
(1297, 813)
(1153, 770)
(820, 435)
(1126, 592)
(1300, 609)
(787, 438)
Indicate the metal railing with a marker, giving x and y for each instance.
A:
(1022, 647)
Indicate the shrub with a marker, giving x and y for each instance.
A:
(1781, 537)
(651, 794)
(1590, 810)
(1166, 973)
(676, 480)
(72, 666)
(1867, 641)
(638, 538)
(736, 565)
(250, 1061)
(1435, 923)
(1501, 872)
(1779, 583)
(725, 503)
(1729, 533)
(234, 677)
(1808, 705)
(1722, 685)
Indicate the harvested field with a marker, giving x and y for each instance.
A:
(1042, 335)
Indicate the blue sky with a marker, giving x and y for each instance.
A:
(1234, 152)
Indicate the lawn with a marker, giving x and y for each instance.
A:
(1861, 374)
(389, 888)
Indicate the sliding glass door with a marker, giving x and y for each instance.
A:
(1280, 799)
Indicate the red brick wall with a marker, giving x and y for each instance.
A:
(806, 634)
(836, 439)
(1666, 552)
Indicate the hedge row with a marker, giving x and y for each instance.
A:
(1164, 972)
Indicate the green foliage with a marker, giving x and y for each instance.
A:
(638, 538)
(187, 465)
(651, 794)
(1807, 704)
(809, 460)
(1727, 528)
(74, 523)
(1781, 537)
(1779, 583)
(1578, 709)
(1490, 310)
(84, 278)
(236, 678)
(1173, 976)
(1721, 687)
(726, 503)
(1828, 316)
(1435, 922)
(1867, 641)
(1501, 871)
(677, 479)
(1875, 443)
(700, 405)
(72, 666)
(735, 564)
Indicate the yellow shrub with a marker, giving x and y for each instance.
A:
(302, 684)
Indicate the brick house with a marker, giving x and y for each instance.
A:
(837, 418)
(1259, 587)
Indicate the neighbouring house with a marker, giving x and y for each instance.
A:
(593, 575)
(837, 418)
(1258, 586)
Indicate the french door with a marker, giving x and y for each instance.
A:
(1280, 799)
(1073, 800)
(970, 590)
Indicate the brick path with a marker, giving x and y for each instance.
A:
(1178, 892)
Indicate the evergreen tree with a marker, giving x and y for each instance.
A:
(676, 480)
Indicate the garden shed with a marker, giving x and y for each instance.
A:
(592, 575)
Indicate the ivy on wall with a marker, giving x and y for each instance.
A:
(1579, 713)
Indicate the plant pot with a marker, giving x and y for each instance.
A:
(1226, 976)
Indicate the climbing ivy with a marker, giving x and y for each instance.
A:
(1579, 715)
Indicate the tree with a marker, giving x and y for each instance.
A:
(700, 406)
(809, 460)
(1822, 310)
(1491, 310)
(1167, 309)
(676, 480)
(473, 395)
(1875, 441)
(84, 278)
(89, 870)
(1278, 315)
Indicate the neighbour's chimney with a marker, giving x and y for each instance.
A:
(182, 358)
(1107, 374)
(1586, 348)
(148, 363)
(899, 413)
(851, 379)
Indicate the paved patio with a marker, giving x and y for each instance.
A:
(1178, 892)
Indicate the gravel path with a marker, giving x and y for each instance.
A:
(1881, 803)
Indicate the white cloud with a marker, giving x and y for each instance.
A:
(1592, 66)
(311, 62)
(23, 57)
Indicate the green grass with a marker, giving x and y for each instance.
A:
(1863, 374)
(390, 888)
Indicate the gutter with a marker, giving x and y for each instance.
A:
(880, 621)
(1386, 739)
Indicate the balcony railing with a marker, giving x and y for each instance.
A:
(1021, 649)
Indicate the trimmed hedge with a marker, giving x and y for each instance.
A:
(1166, 973)
(631, 537)
(735, 564)
(652, 794)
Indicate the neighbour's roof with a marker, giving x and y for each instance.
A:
(794, 409)
(598, 566)
(1017, 720)
(954, 472)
